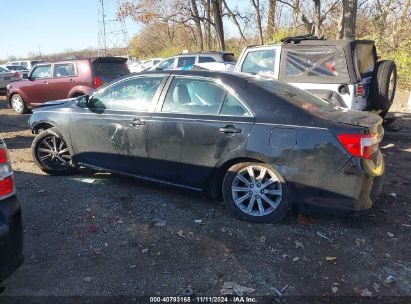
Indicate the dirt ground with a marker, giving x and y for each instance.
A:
(101, 234)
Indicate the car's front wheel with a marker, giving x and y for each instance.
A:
(255, 192)
(17, 104)
(51, 154)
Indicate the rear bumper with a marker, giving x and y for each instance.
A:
(11, 237)
(353, 189)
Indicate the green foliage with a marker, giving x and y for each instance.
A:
(402, 58)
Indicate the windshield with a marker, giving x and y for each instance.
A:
(3, 70)
(298, 97)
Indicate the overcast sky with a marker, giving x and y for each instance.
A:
(53, 26)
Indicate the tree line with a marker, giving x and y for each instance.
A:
(169, 26)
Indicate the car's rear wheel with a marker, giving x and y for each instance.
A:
(17, 104)
(51, 154)
(383, 85)
(255, 192)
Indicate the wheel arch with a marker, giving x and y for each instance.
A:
(215, 181)
(37, 128)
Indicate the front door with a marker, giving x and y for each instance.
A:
(110, 132)
(37, 88)
(198, 123)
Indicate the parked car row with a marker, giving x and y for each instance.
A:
(188, 60)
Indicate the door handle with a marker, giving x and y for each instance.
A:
(230, 129)
(71, 80)
(136, 122)
(46, 82)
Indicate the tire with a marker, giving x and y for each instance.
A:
(383, 85)
(17, 104)
(51, 154)
(235, 189)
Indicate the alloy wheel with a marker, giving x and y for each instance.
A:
(53, 153)
(17, 104)
(256, 190)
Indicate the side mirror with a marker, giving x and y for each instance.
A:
(82, 101)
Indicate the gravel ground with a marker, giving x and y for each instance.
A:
(101, 234)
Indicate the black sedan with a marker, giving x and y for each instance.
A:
(11, 229)
(261, 144)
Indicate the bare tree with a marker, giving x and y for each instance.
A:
(196, 16)
(271, 18)
(348, 19)
(216, 6)
(317, 17)
(256, 5)
(234, 16)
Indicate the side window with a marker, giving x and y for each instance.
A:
(135, 94)
(262, 61)
(232, 107)
(185, 61)
(168, 64)
(64, 70)
(24, 64)
(193, 96)
(204, 59)
(311, 63)
(42, 71)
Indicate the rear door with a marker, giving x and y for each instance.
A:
(110, 132)
(197, 124)
(64, 78)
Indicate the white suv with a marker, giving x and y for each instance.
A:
(344, 72)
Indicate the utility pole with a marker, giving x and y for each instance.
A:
(112, 33)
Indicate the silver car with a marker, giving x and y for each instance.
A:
(7, 76)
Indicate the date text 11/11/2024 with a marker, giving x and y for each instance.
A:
(203, 299)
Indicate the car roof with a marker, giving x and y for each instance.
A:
(349, 43)
(198, 73)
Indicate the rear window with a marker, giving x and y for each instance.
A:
(229, 57)
(108, 71)
(297, 97)
(365, 57)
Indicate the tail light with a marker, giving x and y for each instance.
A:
(359, 89)
(97, 82)
(360, 145)
(6, 175)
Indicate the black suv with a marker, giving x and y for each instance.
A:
(11, 228)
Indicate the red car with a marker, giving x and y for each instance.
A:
(63, 79)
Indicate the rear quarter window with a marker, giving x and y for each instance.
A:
(311, 63)
(261, 61)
